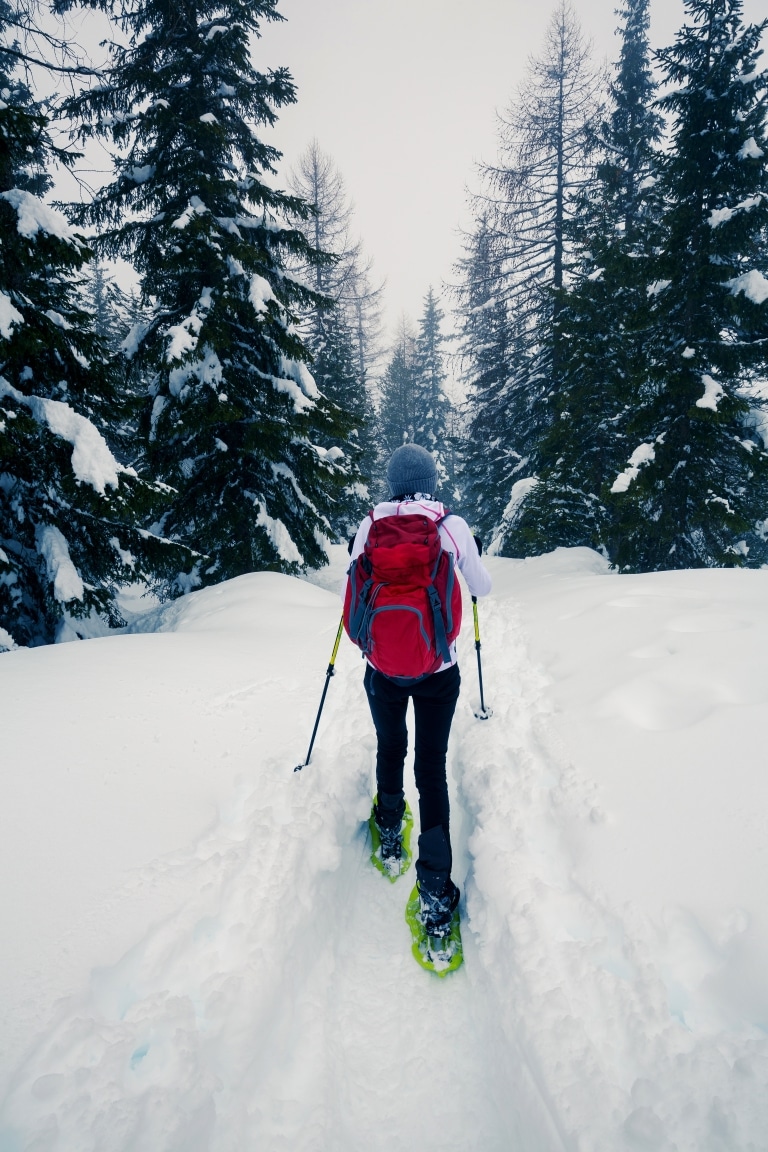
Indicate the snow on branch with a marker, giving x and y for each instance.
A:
(645, 454)
(34, 216)
(53, 547)
(753, 284)
(713, 394)
(92, 461)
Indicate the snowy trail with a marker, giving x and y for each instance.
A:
(281, 1008)
(275, 1004)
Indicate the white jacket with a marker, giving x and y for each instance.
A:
(454, 535)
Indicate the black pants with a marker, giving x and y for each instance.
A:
(434, 703)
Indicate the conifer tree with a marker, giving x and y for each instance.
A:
(603, 314)
(431, 405)
(490, 463)
(546, 140)
(339, 331)
(235, 421)
(694, 491)
(70, 513)
(397, 407)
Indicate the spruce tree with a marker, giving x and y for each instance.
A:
(431, 404)
(235, 422)
(335, 327)
(694, 489)
(490, 463)
(70, 513)
(602, 318)
(397, 406)
(546, 141)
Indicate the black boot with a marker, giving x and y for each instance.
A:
(388, 812)
(437, 910)
(438, 895)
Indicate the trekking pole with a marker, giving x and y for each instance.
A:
(484, 713)
(328, 675)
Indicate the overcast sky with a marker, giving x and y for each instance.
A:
(403, 95)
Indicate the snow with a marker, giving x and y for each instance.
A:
(521, 489)
(644, 454)
(8, 316)
(182, 338)
(34, 216)
(753, 284)
(132, 342)
(57, 319)
(278, 535)
(208, 118)
(92, 460)
(198, 955)
(297, 381)
(751, 150)
(713, 394)
(194, 208)
(657, 286)
(140, 173)
(7, 642)
(260, 293)
(53, 547)
(720, 216)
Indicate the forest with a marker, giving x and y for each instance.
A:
(605, 337)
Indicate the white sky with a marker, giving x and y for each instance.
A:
(402, 94)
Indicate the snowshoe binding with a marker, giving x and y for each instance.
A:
(391, 843)
(435, 929)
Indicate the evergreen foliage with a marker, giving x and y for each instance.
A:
(603, 315)
(694, 490)
(70, 514)
(490, 463)
(340, 331)
(235, 421)
(431, 405)
(547, 138)
(397, 407)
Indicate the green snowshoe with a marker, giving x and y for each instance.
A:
(393, 856)
(439, 954)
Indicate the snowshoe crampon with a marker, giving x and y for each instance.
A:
(438, 954)
(392, 866)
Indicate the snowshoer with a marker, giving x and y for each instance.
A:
(412, 479)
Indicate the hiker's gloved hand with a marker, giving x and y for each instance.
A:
(350, 545)
(479, 543)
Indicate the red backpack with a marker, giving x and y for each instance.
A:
(403, 601)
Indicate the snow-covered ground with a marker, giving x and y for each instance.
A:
(196, 955)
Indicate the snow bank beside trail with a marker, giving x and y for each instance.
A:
(617, 887)
(119, 751)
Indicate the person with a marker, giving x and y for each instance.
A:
(412, 480)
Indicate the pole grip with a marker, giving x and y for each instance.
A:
(335, 652)
(477, 623)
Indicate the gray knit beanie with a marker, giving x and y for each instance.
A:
(410, 470)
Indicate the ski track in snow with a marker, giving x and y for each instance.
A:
(280, 1008)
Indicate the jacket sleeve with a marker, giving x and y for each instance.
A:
(470, 565)
(357, 548)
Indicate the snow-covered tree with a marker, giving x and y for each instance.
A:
(235, 421)
(397, 407)
(340, 329)
(546, 139)
(490, 463)
(431, 403)
(693, 490)
(603, 314)
(70, 514)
